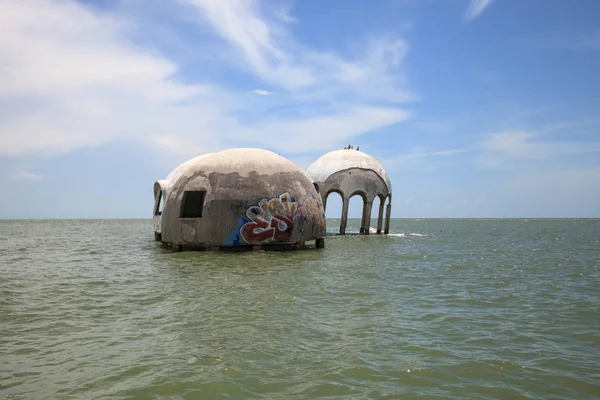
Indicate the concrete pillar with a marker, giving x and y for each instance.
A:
(380, 216)
(344, 216)
(362, 218)
(366, 219)
(387, 218)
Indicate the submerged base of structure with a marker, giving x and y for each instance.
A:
(319, 244)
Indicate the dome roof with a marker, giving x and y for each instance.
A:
(340, 160)
(244, 161)
(176, 173)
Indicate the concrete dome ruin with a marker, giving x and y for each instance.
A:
(351, 172)
(238, 198)
(256, 199)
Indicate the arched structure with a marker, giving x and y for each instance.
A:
(238, 198)
(350, 172)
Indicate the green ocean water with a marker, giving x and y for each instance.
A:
(442, 309)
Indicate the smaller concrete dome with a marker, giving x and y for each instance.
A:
(239, 197)
(351, 172)
(340, 160)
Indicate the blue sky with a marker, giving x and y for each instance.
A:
(475, 108)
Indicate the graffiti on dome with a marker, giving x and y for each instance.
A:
(272, 220)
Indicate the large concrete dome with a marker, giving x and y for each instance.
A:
(239, 197)
(176, 173)
(351, 172)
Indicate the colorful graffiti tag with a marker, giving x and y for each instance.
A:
(272, 220)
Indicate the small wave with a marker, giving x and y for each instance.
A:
(407, 234)
(354, 233)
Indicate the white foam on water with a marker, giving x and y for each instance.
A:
(406, 234)
(373, 231)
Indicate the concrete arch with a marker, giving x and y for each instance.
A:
(388, 214)
(350, 172)
(326, 195)
(345, 203)
(382, 201)
(360, 193)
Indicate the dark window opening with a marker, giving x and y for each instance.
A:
(159, 204)
(192, 204)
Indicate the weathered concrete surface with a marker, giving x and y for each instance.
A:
(351, 172)
(161, 191)
(253, 198)
(339, 160)
(380, 216)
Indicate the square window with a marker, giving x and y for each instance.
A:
(192, 204)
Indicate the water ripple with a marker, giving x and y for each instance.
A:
(458, 309)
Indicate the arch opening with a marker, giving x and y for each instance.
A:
(356, 207)
(388, 213)
(334, 205)
(377, 214)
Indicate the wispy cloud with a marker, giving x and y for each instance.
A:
(261, 92)
(475, 8)
(29, 176)
(325, 131)
(26, 175)
(241, 25)
(273, 54)
(72, 80)
(178, 146)
(442, 153)
(567, 40)
(505, 148)
(424, 159)
(75, 76)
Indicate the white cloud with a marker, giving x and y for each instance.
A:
(178, 146)
(49, 47)
(441, 153)
(73, 77)
(283, 12)
(519, 145)
(72, 80)
(261, 92)
(322, 132)
(506, 148)
(240, 24)
(428, 160)
(275, 57)
(475, 8)
(21, 174)
(29, 176)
